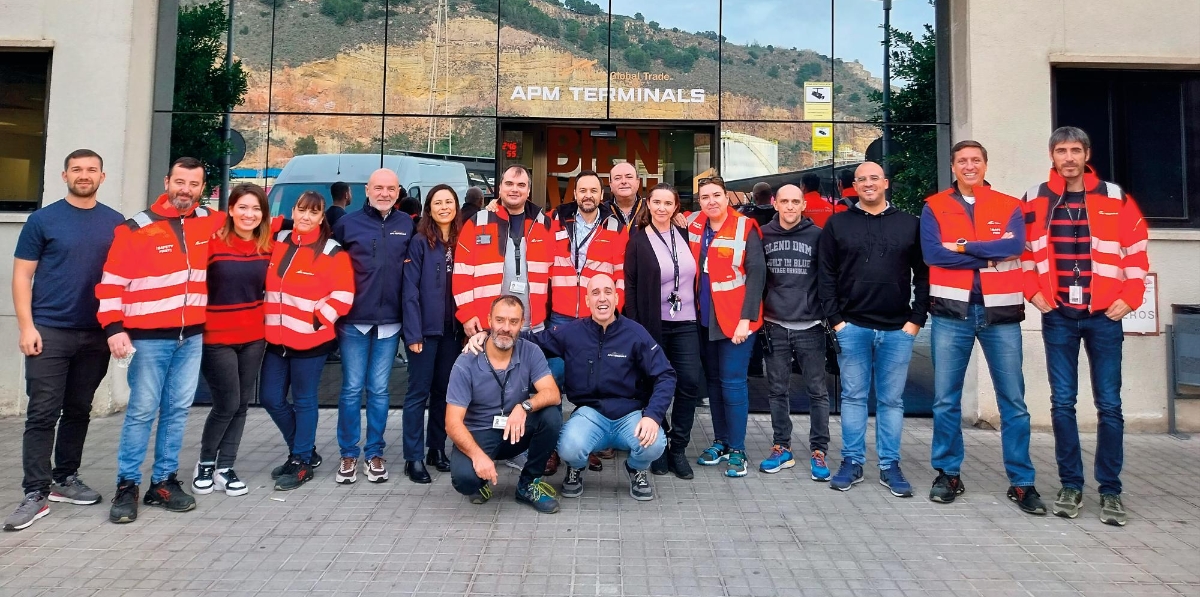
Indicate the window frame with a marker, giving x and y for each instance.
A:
(33, 204)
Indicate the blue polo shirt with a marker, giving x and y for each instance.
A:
(474, 387)
(70, 245)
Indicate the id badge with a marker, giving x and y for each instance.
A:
(517, 286)
(1075, 294)
(499, 422)
(483, 239)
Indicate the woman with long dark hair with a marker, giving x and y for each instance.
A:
(238, 256)
(310, 283)
(660, 291)
(432, 335)
(729, 290)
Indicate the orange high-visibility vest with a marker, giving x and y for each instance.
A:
(726, 266)
(1002, 284)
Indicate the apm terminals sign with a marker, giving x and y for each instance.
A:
(641, 95)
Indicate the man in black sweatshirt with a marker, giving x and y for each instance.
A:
(793, 329)
(874, 290)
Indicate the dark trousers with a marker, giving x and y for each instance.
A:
(296, 420)
(231, 371)
(428, 376)
(541, 437)
(61, 382)
(807, 347)
(681, 344)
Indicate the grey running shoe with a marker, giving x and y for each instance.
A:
(1111, 510)
(639, 484)
(572, 486)
(1066, 503)
(72, 490)
(33, 507)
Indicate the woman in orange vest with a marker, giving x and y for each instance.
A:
(310, 284)
(728, 250)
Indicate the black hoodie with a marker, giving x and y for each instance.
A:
(871, 268)
(791, 294)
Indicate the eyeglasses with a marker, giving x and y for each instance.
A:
(710, 180)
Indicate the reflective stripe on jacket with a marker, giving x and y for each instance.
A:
(605, 254)
(308, 289)
(479, 263)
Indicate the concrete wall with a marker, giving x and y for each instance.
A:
(1002, 55)
(101, 85)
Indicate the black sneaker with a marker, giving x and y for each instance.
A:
(296, 473)
(661, 465)
(639, 484)
(539, 495)
(124, 503)
(946, 488)
(572, 486)
(1028, 500)
(169, 494)
(314, 462)
(678, 463)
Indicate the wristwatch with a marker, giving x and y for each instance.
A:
(961, 245)
(528, 406)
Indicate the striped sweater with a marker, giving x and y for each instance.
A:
(237, 278)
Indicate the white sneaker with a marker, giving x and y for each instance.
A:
(226, 480)
(347, 471)
(518, 461)
(376, 469)
(202, 477)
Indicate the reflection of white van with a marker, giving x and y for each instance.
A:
(318, 172)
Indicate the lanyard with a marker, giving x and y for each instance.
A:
(579, 245)
(517, 245)
(674, 254)
(503, 384)
(1075, 230)
(627, 221)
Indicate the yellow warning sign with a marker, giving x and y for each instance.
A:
(822, 136)
(818, 100)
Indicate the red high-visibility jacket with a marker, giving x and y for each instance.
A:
(605, 255)
(308, 289)
(479, 264)
(1119, 239)
(154, 281)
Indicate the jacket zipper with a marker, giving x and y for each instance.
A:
(188, 261)
(281, 279)
(591, 364)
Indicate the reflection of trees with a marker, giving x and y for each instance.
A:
(913, 155)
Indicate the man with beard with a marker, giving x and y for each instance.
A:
(490, 414)
(66, 355)
(152, 307)
(624, 184)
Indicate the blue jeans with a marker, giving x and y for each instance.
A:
(296, 420)
(953, 340)
(725, 366)
(588, 431)
(1102, 338)
(366, 361)
(428, 376)
(162, 384)
(879, 358)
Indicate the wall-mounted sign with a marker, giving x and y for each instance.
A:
(818, 101)
(1143, 321)
(569, 150)
(822, 136)
(643, 95)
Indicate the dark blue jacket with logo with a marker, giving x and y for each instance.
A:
(425, 290)
(377, 248)
(616, 371)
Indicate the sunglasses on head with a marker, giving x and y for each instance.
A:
(710, 179)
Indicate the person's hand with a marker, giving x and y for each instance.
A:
(742, 332)
(475, 343)
(119, 345)
(646, 432)
(486, 469)
(30, 342)
(514, 429)
(838, 327)
(493, 205)
(1040, 303)
(1117, 310)
(911, 329)
(951, 246)
(416, 347)
(679, 220)
(472, 327)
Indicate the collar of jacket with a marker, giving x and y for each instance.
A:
(1058, 184)
(306, 238)
(568, 212)
(980, 190)
(374, 213)
(531, 211)
(726, 226)
(612, 325)
(164, 208)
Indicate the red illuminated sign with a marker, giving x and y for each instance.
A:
(511, 149)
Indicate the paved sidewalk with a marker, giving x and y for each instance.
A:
(758, 536)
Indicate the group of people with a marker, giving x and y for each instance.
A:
(627, 307)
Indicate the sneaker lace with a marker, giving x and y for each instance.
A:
(819, 457)
(639, 478)
(573, 475)
(206, 471)
(377, 463)
(231, 477)
(539, 489)
(777, 451)
(173, 485)
(348, 464)
(1111, 502)
(123, 490)
(31, 499)
(486, 491)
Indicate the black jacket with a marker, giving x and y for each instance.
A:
(871, 267)
(763, 214)
(643, 277)
(791, 271)
(616, 371)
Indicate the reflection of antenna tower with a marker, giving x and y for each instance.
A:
(438, 80)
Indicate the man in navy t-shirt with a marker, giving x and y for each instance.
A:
(66, 352)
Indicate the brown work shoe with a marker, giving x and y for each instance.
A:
(594, 463)
(552, 464)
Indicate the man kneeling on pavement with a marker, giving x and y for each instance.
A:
(620, 383)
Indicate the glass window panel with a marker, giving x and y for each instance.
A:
(253, 165)
(771, 49)
(441, 63)
(252, 46)
(24, 85)
(664, 59)
(469, 141)
(553, 59)
(330, 148)
(858, 60)
(327, 56)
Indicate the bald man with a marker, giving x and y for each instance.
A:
(377, 239)
(624, 184)
(874, 289)
(610, 362)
